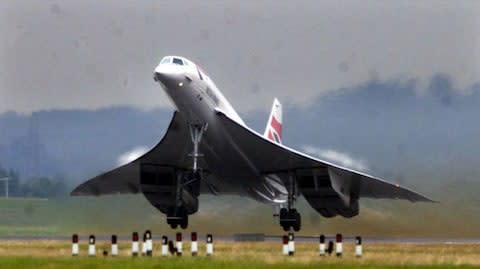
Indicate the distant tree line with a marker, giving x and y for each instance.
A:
(42, 187)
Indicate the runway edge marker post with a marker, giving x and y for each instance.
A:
(114, 249)
(322, 245)
(75, 245)
(358, 247)
(144, 244)
(194, 244)
(285, 245)
(149, 243)
(179, 244)
(291, 244)
(338, 245)
(91, 246)
(134, 244)
(209, 245)
(164, 249)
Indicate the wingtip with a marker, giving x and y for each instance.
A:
(75, 192)
(426, 199)
(423, 198)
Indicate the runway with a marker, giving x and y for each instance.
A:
(52, 252)
(265, 238)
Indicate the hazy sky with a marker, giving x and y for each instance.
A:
(92, 54)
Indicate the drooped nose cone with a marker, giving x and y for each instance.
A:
(164, 78)
(167, 75)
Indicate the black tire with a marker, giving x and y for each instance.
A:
(184, 222)
(298, 221)
(282, 216)
(170, 212)
(292, 215)
(283, 213)
(296, 227)
(174, 225)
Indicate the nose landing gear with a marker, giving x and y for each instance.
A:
(177, 217)
(196, 133)
(188, 182)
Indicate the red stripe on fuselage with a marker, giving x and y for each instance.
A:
(277, 126)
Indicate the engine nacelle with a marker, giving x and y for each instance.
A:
(159, 185)
(329, 191)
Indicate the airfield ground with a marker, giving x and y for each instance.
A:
(41, 254)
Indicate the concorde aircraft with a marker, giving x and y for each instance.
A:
(209, 149)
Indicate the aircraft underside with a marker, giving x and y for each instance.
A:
(172, 176)
(209, 149)
(175, 191)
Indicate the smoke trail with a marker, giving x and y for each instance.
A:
(337, 157)
(131, 155)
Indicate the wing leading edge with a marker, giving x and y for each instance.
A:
(170, 151)
(271, 157)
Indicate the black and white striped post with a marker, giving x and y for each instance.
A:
(134, 244)
(144, 244)
(164, 246)
(285, 245)
(322, 245)
(74, 245)
(338, 245)
(291, 244)
(358, 247)
(91, 246)
(179, 244)
(209, 245)
(114, 249)
(194, 244)
(148, 237)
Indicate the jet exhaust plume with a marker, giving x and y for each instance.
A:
(337, 157)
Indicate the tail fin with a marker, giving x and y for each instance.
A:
(273, 131)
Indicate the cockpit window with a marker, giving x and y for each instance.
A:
(177, 61)
(165, 60)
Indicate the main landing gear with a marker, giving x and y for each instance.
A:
(190, 181)
(289, 217)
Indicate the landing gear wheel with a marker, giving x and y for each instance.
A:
(177, 217)
(290, 219)
(283, 212)
(184, 222)
(297, 224)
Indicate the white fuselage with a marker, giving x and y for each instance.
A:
(197, 98)
(192, 91)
